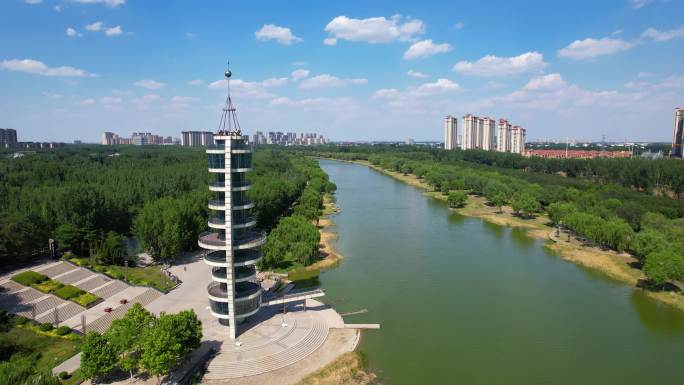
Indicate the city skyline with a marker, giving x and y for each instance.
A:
(421, 61)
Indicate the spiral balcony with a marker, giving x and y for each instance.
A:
(244, 291)
(240, 274)
(240, 258)
(251, 239)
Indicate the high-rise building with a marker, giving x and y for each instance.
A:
(8, 138)
(518, 140)
(450, 130)
(677, 150)
(197, 138)
(488, 132)
(108, 138)
(473, 135)
(232, 244)
(503, 140)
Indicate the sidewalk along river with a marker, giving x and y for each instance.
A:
(462, 301)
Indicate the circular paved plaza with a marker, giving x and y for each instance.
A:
(272, 340)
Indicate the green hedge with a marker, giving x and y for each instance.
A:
(48, 286)
(68, 292)
(86, 299)
(62, 330)
(29, 278)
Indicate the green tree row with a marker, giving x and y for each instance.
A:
(141, 341)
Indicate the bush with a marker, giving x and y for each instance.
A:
(19, 320)
(48, 286)
(457, 199)
(62, 330)
(86, 299)
(63, 375)
(68, 292)
(29, 278)
(100, 269)
(46, 327)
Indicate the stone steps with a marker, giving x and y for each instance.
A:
(224, 367)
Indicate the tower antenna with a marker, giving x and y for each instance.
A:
(229, 122)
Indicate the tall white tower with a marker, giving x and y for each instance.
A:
(233, 246)
(503, 140)
(450, 129)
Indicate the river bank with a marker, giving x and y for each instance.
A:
(330, 256)
(612, 264)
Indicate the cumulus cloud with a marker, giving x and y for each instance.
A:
(425, 48)
(315, 103)
(640, 3)
(111, 100)
(654, 34)
(87, 102)
(299, 74)
(94, 27)
(373, 29)
(71, 32)
(502, 66)
(149, 84)
(40, 68)
(282, 35)
(416, 74)
(196, 82)
(257, 90)
(438, 87)
(109, 3)
(546, 82)
(328, 81)
(591, 48)
(114, 31)
(459, 25)
(33, 2)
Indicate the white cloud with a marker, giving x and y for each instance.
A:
(416, 74)
(501, 66)
(329, 41)
(196, 82)
(640, 3)
(438, 87)
(110, 100)
(33, 2)
(590, 48)
(40, 68)
(58, 8)
(190, 34)
(87, 102)
(183, 99)
(424, 49)
(146, 101)
(109, 3)
(299, 74)
(654, 34)
(282, 35)
(114, 31)
(52, 95)
(315, 103)
(328, 81)
(373, 29)
(257, 90)
(94, 27)
(546, 82)
(459, 25)
(149, 84)
(71, 32)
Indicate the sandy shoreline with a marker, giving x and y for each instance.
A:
(331, 257)
(612, 264)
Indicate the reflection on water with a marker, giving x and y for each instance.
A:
(657, 316)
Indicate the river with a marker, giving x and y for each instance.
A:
(462, 301)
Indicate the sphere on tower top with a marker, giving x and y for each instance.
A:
(228, 73)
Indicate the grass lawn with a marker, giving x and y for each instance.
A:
(53, 350)
(48, 286)
(146, 276)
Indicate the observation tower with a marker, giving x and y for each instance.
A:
(232, 244)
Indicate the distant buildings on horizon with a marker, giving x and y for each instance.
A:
(479, 133)
(197, 138)
(677, 150)
(8, 139)
(289, 138)
(137, 138)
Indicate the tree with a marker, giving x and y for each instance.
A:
(558, 211)
(524, 204)
(112, 249)
(457, 199)
(663, 266)
(126, 333)
(171, 337)
(98, 357)
(498, 200)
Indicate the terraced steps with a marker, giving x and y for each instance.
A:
(305, 339)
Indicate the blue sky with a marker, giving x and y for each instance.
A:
(351, 70)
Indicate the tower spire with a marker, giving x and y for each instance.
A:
(229, 122)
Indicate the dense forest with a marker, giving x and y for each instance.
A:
(614, 213)
(90, 199)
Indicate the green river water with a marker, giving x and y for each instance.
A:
(462, 301)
